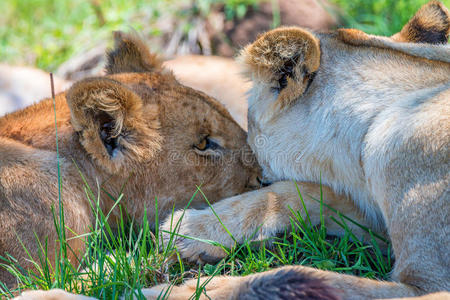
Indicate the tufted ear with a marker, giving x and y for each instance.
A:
(286, 57)
(114, 127)
(130, 54)
(431, 24)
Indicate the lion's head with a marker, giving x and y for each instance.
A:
(139, 121)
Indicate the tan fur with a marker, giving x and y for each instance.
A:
(293, 45)
(218, 77)
(151, 124)
(130, 54)
(22, 86)
(373, 126)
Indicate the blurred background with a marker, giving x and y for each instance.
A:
(47, 33)
(69, 37)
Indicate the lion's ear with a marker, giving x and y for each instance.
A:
(431, 24)
(286, 58)
(130, 54)
(113, 125)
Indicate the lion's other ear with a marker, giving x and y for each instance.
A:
(431, 24)
(114, 126)
(287, 57)
(130, 54)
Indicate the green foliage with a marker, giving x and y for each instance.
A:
(120, 262)
(232, 8)
(46, 33)
(381, 17)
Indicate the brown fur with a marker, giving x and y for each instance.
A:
(429, 25)
(135, 131)
(218, 77)
(130, 54)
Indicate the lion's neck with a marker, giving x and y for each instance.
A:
(35, 125)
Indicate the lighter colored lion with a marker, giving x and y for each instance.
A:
(136, 128)
(367, 116)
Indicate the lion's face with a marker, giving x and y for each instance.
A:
(140, 120)
(204, 146)
(200, 144)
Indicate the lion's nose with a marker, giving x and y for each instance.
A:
(263, 183)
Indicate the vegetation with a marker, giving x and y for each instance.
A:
(45, 33)
(122, 262)
(381, 17)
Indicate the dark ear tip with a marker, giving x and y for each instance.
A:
(431, 24)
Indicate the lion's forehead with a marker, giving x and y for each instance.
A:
(179, 100)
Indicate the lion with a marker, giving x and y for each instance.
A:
(135, 129)
(369, 118)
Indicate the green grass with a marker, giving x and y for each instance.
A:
(381, 17)
(45, 33)
(123, 261)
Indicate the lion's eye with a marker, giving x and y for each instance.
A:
(202, 145)
(206, 144)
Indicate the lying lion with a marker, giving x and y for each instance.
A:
(367, 116)
(136, 128)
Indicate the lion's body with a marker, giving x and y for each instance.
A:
(369, 118)
(375, 125)
(357, 104)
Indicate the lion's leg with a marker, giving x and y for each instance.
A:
(420, 234)
(220, 287)
(259, 215)
(292, 282)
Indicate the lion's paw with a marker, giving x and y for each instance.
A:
(200, 225)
